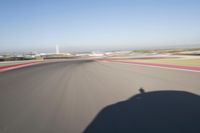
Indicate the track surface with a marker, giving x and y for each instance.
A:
(64, 97)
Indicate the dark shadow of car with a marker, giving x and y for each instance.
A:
(151, 112)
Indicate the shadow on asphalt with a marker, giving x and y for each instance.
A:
(150, 112)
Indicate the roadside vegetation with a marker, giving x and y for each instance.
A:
(169, 51)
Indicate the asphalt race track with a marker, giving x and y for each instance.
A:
(66, 97)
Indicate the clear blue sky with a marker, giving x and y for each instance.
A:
(97, 24)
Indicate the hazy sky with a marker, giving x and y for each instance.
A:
(97, 24)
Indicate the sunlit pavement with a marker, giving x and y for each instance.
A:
(64, 97)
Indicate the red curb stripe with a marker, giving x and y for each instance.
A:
(194, 68)
(11, 67)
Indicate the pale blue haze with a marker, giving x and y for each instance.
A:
(97, 24)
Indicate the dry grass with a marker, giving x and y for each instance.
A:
(188, 62)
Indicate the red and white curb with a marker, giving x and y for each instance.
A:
(166, 66)
(11, 67)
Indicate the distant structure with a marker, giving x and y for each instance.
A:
(57, 49)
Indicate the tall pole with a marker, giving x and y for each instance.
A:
(57, 49)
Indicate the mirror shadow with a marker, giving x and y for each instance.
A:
(150, 112)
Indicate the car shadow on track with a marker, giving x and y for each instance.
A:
(150, 112)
